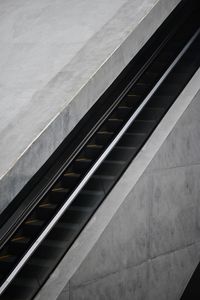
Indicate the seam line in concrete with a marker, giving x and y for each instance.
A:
(132, 266)
(171, 168)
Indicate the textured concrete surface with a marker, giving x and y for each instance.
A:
(65, 293)
(159, 278)
(150, 219)
(57, 58)
(116, 286)
(174, 204)
(169, 273)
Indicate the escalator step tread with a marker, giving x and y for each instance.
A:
(21, 240)
(77, 208)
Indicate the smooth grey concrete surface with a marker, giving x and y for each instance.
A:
(57, 58)
(174, 205)
(116, 286)
(151, 217)
(159, 278)
(169, 273)
(183, 147)
(65, 293)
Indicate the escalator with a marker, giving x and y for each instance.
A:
(49, 217)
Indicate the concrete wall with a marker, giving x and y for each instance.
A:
(152, 244)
